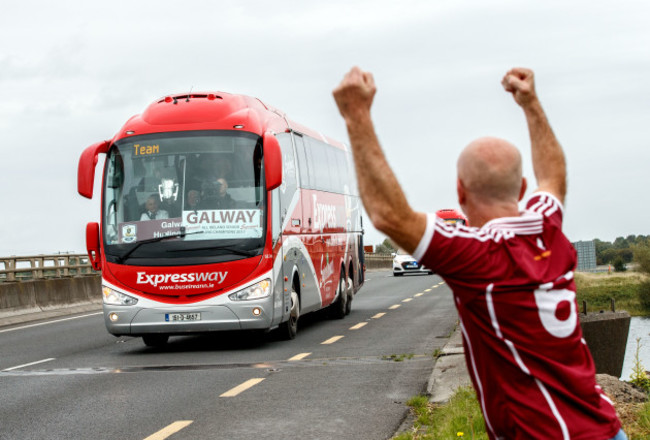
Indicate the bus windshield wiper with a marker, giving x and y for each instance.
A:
(234, 250)
(181, 234)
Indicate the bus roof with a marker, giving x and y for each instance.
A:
(213, 111)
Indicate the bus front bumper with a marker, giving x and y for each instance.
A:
(137, 321)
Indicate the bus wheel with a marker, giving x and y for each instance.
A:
(350, 292)
(155, 340)
(289, 328)
(338, 309)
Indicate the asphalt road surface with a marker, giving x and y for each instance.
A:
(339, 379)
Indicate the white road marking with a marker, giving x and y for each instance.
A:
(378, 315)
(429, 290)
(407, 300)
(48, 322)
(419, 294)
(169, 430)
(396, 306)
(440, 284)
(243, 387)
(299, 357)
(358, 326)
(332, 340)
(29, 364)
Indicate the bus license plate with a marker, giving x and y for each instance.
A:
(176, 317)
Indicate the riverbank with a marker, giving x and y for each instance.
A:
(629, 290)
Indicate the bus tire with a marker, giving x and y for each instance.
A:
(338, 308)
(350, 293)
(155, 340)
(289, 328)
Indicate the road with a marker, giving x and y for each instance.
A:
(339, 379)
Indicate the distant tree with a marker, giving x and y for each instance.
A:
(619, 264)
(601, 248)
(386, 247)
(642, 257)
(621, 243)
(626, 254)
(607, 256)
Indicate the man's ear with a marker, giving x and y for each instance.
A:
(462, 194)
(522, 191)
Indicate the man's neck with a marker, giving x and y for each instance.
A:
(480, 214)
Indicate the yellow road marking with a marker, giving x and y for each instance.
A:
(332, 340)
(440, 284)
(358, 326)
(169, 430)
(407, 300)
(419, 294)
(396, 306)
(432, 287)
(299, 357)
(378, 315)
(241, 388)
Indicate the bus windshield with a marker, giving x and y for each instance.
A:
(184, 195)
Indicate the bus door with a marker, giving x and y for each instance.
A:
(288, 216)
(309, 235)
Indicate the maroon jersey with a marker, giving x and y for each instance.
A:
(515, 294)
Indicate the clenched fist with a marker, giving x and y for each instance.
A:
(355, 94)
(521, 83)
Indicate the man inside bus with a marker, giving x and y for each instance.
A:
(512, 279)
(193, 200)
(152, 209)
(215, 195)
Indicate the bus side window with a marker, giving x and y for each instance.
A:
(317, 155)
(276, 219)
(303, 167)
(289, 185)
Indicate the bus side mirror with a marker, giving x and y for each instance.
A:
(92, 245)
(272, 161)
(86, 170)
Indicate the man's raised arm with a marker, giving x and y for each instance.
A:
(380, 191)
(548, 158)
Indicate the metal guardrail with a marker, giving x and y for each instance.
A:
(41, 267)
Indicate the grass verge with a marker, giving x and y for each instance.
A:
(461, 418)
(629, 290)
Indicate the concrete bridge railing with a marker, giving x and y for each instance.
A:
(40, 267)
(378, 261)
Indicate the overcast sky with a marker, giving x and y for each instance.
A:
(72, 72)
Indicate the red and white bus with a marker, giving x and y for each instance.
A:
(220, 213)
(452, 216)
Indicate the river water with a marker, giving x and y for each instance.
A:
(639, 328)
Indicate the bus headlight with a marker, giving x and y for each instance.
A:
(256, 291)
(117, 298)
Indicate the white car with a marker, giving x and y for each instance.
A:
(405, 263)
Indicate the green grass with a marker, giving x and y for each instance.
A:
(461, 418)
(630, 291)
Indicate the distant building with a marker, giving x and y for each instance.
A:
(586, 254)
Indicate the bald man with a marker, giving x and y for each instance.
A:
(511, 273)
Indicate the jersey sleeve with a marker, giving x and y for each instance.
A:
(547, 205)
(453, 249)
